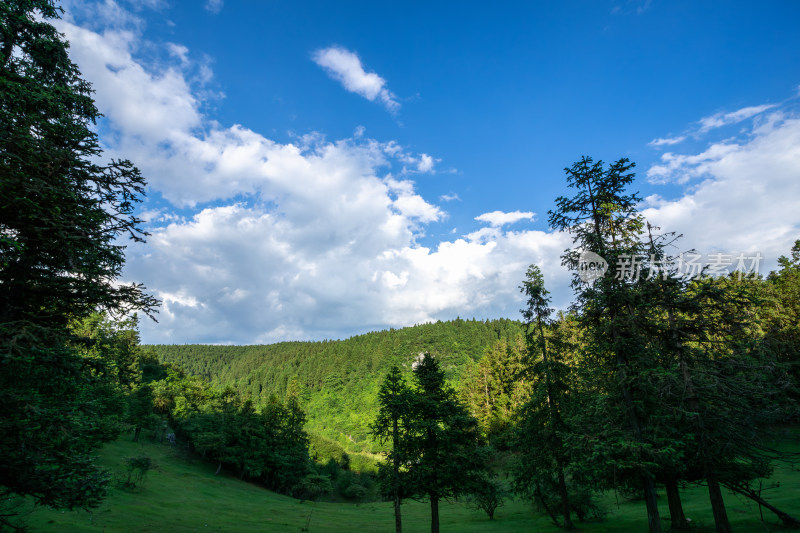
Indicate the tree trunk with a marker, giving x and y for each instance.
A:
(650, 498)
(398, 524)
(434, 514)
(676, 515)
(787, 519)
(219, 467)
(717, 504)
(538, 495)
(136, 433)
(562, 488)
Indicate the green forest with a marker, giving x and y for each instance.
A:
(664, 391)
(337, 382)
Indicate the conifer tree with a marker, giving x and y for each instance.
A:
(444, 455)
(542, 422)
(392, 425)
(603, 219)
(62, 212)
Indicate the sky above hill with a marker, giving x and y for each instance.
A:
(322, 169)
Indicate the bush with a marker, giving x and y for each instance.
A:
(313, 486)
(355, 491)
(488, 496)
(137, 468)
(546, 498)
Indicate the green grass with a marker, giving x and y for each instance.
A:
(184, 495)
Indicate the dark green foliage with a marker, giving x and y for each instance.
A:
(355, 491)
(137, 468)
(496, 387)
(269, 445)
(61, 210)
(393, 426)
(435, 450)
(782, 314)
(488, 495)
(353, 486)
(313, 486)
(683, 379)
(61, 213)
(547, 498)
(603, 219)
(442, 447)
(544, 457)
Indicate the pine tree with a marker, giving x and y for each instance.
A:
(541, 442)
(392, 425)
(602, 217)
(445, 459)
(61, 213)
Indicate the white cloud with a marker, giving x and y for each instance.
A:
(324, 237)
(323, 241)
(414, 164)
(499, 218)
(425, 163)
(214, 6)
(723, 119)
(243, 274)
(707, 124)
(746, 199)
(682, 168)
(178, 51)
(667, 141)
(345, 67)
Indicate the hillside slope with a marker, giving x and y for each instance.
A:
(182, 494)
(338, 381)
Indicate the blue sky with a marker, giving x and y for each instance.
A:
(321, 169)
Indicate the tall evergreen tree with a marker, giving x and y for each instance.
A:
(61, 213)
(444, 456)
(542, 418)
(603, 219)
(392, 425)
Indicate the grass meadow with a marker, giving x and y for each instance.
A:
(182, 494)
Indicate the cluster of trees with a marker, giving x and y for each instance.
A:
(72, 373)
(656, 380)
(435, 449)
(268, 445)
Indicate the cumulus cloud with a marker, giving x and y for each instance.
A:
(279, 241)
(745, 191)
(260, 241)
(237, 274)
(425, 163)
(499, 218)
(345, 67)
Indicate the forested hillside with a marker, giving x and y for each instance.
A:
(338, 381)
